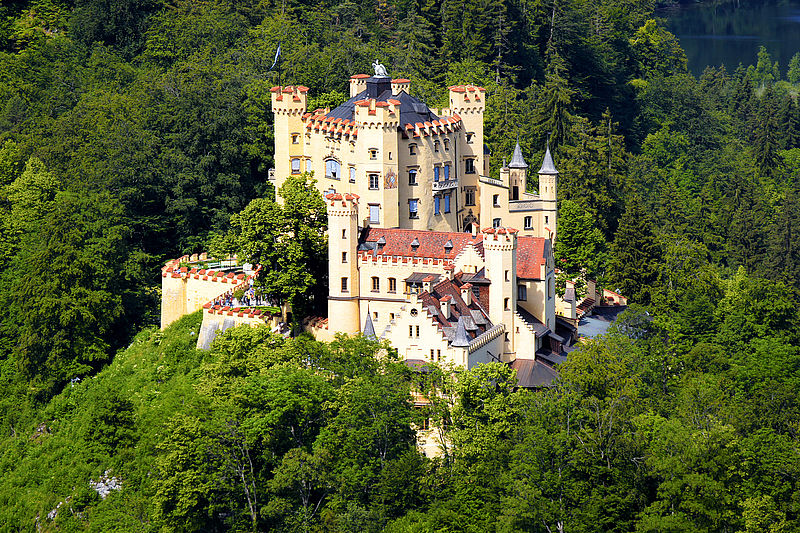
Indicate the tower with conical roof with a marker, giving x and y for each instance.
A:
(548, 191)
(517, 174)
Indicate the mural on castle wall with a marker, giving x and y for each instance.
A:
(390, 179)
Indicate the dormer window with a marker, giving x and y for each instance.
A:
(415, 244)
(381, 242)
(448, 246)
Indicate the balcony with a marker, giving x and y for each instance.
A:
(443, 185)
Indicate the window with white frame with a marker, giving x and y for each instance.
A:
(352, 174)
(496, 223)
(374, 181)
(528, 222)
(332, 169)
(374, 213)
(296, 166)
(413, 208)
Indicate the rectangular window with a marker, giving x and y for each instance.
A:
(392, 285)
(496, 223)
(470, 135)
(446, 172)
(376, 284)
(344, 284)
(352, 174)
(374, 214)
(410, 331)
(446, 203)
(438, 355)
(469, 166)
(295, 166)
(528, 222)
(432, 352)
(435, 205)
(416, 328)
(505, 304)
(373, 153)
(546, 219)
(309, 165)
(496, 200)
(522, 293)
(412, 176)
(412, 149)
(344, 257)
(413, 205)
(435, 146)
(295, 138)
(469, 197)
(344, 234)
(373, 181)
(436, 173)
(446, 145)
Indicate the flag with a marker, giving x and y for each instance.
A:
(277, 55)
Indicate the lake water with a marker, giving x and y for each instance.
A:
(729, 35)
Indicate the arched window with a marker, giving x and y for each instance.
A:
(332, 169)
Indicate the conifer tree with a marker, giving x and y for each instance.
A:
(765, 128)
(553, 112)
(793, 75)
(634, 257)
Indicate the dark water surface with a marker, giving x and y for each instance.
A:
(729, 35)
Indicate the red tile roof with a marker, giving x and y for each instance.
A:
(531, 256)
(431, 243)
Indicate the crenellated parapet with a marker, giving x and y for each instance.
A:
(289, 100)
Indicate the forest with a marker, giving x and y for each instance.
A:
(134, 131)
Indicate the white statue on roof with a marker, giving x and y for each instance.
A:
(380, 70)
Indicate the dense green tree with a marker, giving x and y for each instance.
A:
(634, 254)
(580, 249)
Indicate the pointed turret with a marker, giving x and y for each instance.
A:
(369, 328)
(517, 161)
(548, 167)
(460, 339)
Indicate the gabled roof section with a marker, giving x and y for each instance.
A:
(431, 244)
(532, 254)
(473, 319)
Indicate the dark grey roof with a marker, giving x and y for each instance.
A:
(551, 357)
(460, 339)
(517, 161)
(534, 374)
(417, 277)
(412, 110)
(369, 329)
(540, 329)
(547, 164)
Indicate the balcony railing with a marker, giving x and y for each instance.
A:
(443, 185)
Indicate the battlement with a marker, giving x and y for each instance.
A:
(289, 100)
(467, 99)
(500, 238)
(442, 126)
(371, 113)
(342, 205)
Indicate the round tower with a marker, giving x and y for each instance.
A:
(548, 190)
(500, 252)
(343, 274)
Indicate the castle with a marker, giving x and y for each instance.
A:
(411, 166)
(407, 192)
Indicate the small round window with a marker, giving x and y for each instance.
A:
(413, 312)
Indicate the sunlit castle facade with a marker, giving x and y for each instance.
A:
(412, 167)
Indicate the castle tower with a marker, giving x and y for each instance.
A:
(548, 190)
(518, 174)
(468, 102)
(343, 279)
(500, 251)
(377, 152)
(288, 106)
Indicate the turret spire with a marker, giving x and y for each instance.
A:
(517, 161)
(369, 328)
(547, 164)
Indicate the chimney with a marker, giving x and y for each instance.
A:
(358, 84)
(466, 293)
(377, 85)
(444, 306)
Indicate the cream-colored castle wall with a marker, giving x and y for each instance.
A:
(213, 319)
(526, 341)
(409, 346)
(182, 294)
(469, 260)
